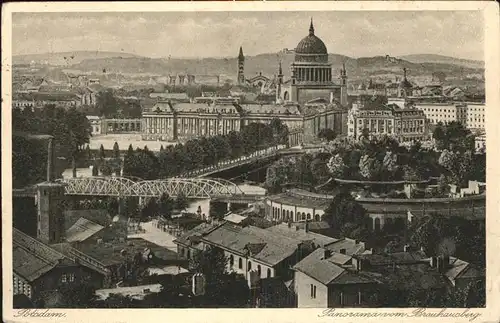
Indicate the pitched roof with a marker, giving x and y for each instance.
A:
(403, 271)
(82, 230)
(197, 231)
(302, 235)
(32, 258)
(274, 249)
(315, 266)
(235, 218)
(352, 247)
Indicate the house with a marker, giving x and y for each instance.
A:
(329, 279)
(40, 270)
(323, 280)
(246, 248)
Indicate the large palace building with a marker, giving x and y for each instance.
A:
(308, 102)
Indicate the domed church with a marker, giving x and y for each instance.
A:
(312, 75)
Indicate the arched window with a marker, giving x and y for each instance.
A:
(189, 254)
(303, 216)
(268, 273)
(376, 225)
(258, 269)
(231, 260)
(240, 263)
(309, 216)
(286, 96)
(291, 215)
(287, 214)
(317, 217)
(249, 266)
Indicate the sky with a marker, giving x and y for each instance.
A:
(220, 34)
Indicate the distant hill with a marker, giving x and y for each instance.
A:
(432, 58)
(65, 58)
(378, 66)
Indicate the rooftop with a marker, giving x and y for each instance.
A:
(324, 268)
(31, 258)
(110, 254)
(302, 235)
(272, 249)
(82, 230)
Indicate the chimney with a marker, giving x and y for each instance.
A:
(440, 264)
(328, 254)
(343, 251)
(433, 262)
(446, 262)
(50, 160)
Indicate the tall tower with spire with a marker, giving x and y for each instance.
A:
(241, 67)
(279, 83)
(343, 86)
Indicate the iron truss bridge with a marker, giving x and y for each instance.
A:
(125, 187)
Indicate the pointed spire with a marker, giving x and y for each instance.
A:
(240, 56)
(311, 28)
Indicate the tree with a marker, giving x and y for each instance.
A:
(102, 152)
(116, 150)
(106, 170)
(81, 295)
(165, 206)
(343, 210)
(95, 170)
(181, 202)
(107, 104)
(327, 134)
(336, 166)
(128, 161)
(88, 152)
(279, 131)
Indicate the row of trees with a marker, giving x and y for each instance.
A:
(71, 131)
(201, 152)
(453, 136)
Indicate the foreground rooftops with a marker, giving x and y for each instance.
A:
(32, 258)
(260, 244)
(397, 271)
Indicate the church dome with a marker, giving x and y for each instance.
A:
(311, 48)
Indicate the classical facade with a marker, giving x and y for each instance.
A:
(311, 75)
(170, 121)
(405, 125)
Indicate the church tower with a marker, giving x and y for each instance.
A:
(279, 84)
(343, 86)
(241, 67)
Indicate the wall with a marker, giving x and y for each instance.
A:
(303, 291)
(274, 212)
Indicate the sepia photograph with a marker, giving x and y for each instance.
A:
(248, 159)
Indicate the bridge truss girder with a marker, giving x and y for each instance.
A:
(123, 187)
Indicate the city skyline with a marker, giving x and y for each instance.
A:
(356, 34)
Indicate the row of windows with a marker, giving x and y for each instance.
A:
(249, 266)
(287, 214)
(67, 278)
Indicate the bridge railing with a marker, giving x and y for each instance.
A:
(271, 151)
